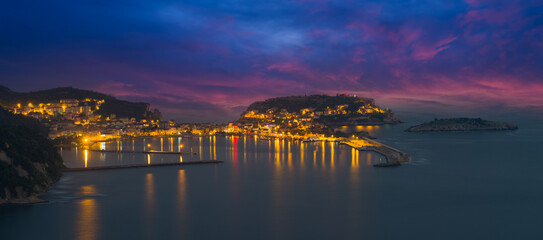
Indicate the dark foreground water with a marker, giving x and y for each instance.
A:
(479, 185)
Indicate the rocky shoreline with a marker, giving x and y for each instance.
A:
(25, 200)
(29, 161)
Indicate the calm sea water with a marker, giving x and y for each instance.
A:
(476, 185)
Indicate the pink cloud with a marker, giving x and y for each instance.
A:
(473, 95)
(286, 67)
(395, 45)
(423, 51)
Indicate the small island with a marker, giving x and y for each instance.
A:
(462, 124)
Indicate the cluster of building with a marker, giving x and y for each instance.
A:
(310, 114)
(77, 118)
(301, 124)
(70, 109)
(70, 118)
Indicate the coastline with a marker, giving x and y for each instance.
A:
(21, 201)
(32, 199)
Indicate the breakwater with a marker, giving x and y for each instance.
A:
(146, 152)
(393, 156)
(140, 165)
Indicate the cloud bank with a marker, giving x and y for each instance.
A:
(206, 60)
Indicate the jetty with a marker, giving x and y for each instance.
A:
(140, 165)
(145, 152)
(393, 156)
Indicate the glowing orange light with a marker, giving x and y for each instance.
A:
(86, 158)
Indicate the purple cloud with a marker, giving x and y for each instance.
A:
(203, 60)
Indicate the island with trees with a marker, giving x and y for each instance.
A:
(462, 124)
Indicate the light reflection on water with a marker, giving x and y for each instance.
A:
(149, 205)
(371, 129)
(87, 214)
(87, 222)
(269, 189)
(149, 191)
(291, 163)
(182, 191)
(86, 157)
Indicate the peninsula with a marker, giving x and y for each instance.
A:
(336, 110)
(314, 114)
(461, 124)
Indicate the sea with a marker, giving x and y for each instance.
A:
(458, 185)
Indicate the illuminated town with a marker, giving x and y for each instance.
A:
(78, 120)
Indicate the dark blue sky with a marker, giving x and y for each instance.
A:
(207, 60)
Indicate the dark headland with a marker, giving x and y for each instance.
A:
(462, 124)
(29, 161)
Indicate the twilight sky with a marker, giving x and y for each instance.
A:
(200, 60)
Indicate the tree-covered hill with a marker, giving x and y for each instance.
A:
(112, 105)
(29, 161)
(331, 110)
(318, 102)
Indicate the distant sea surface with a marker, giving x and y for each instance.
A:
(461, 185)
